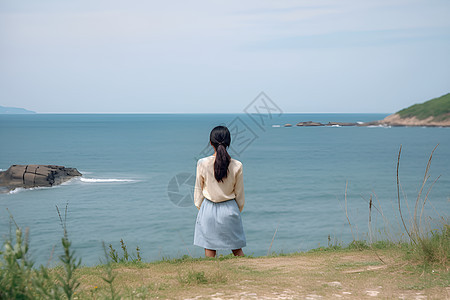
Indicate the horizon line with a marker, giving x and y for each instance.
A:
(203, 113)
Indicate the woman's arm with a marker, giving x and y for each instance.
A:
(239, 188)
(198, 188)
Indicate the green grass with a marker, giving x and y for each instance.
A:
(432, 248)
(439, 108)
(428, 276)
(357, 264)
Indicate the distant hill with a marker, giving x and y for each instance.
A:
(435, 112)
(438, 108)
(15, 110)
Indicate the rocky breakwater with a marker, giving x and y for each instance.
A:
(334, 124)
(30, 176)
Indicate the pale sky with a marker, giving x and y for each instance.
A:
(217, 56)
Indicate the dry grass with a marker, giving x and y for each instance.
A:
(331, 274)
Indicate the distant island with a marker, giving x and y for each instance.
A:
(432, 113)
(15, 110)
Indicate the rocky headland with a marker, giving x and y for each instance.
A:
(30, 176)
(435, 112)
(397, 120)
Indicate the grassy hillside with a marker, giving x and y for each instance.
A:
(439, 108)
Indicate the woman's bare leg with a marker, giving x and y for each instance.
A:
(210, 253)
(238, 252)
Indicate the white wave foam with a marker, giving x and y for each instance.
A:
(276, 125)
(336, 125)
(70, 181)
(84, 172)
(87, 180)
(104, 180)
(18, 190)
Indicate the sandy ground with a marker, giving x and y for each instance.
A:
(396, 120)
(323, 275)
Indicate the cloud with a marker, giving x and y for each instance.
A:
(70, 53)
(352, 39)
(233, 24)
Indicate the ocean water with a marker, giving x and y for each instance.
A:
(136, 182)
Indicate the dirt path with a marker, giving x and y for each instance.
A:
(323, 275)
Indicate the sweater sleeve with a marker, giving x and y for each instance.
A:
(239, 188)
(198, 188)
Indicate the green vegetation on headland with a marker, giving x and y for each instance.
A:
(438, 108)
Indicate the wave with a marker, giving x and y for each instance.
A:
(19, 189)
(16, 190)
(378, 126)
(105, 180)
(84, 172)
(71, 181)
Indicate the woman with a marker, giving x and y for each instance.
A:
(219, 196)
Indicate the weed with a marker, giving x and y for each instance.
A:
(110, 277)
(113, 253)
(192, 277)
(430, 246)
(16, 268)
(359, 245)
(18, 280)
(424, 243)
(126, 257)
(68, 281)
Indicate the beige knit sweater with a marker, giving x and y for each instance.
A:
(206, 185)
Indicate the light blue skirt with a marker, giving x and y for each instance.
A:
(219, 226)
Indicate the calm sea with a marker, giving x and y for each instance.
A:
(136, 182)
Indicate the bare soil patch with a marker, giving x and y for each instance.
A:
(322, 275)
(396, 120)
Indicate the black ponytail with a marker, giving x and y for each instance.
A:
(220, 139)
